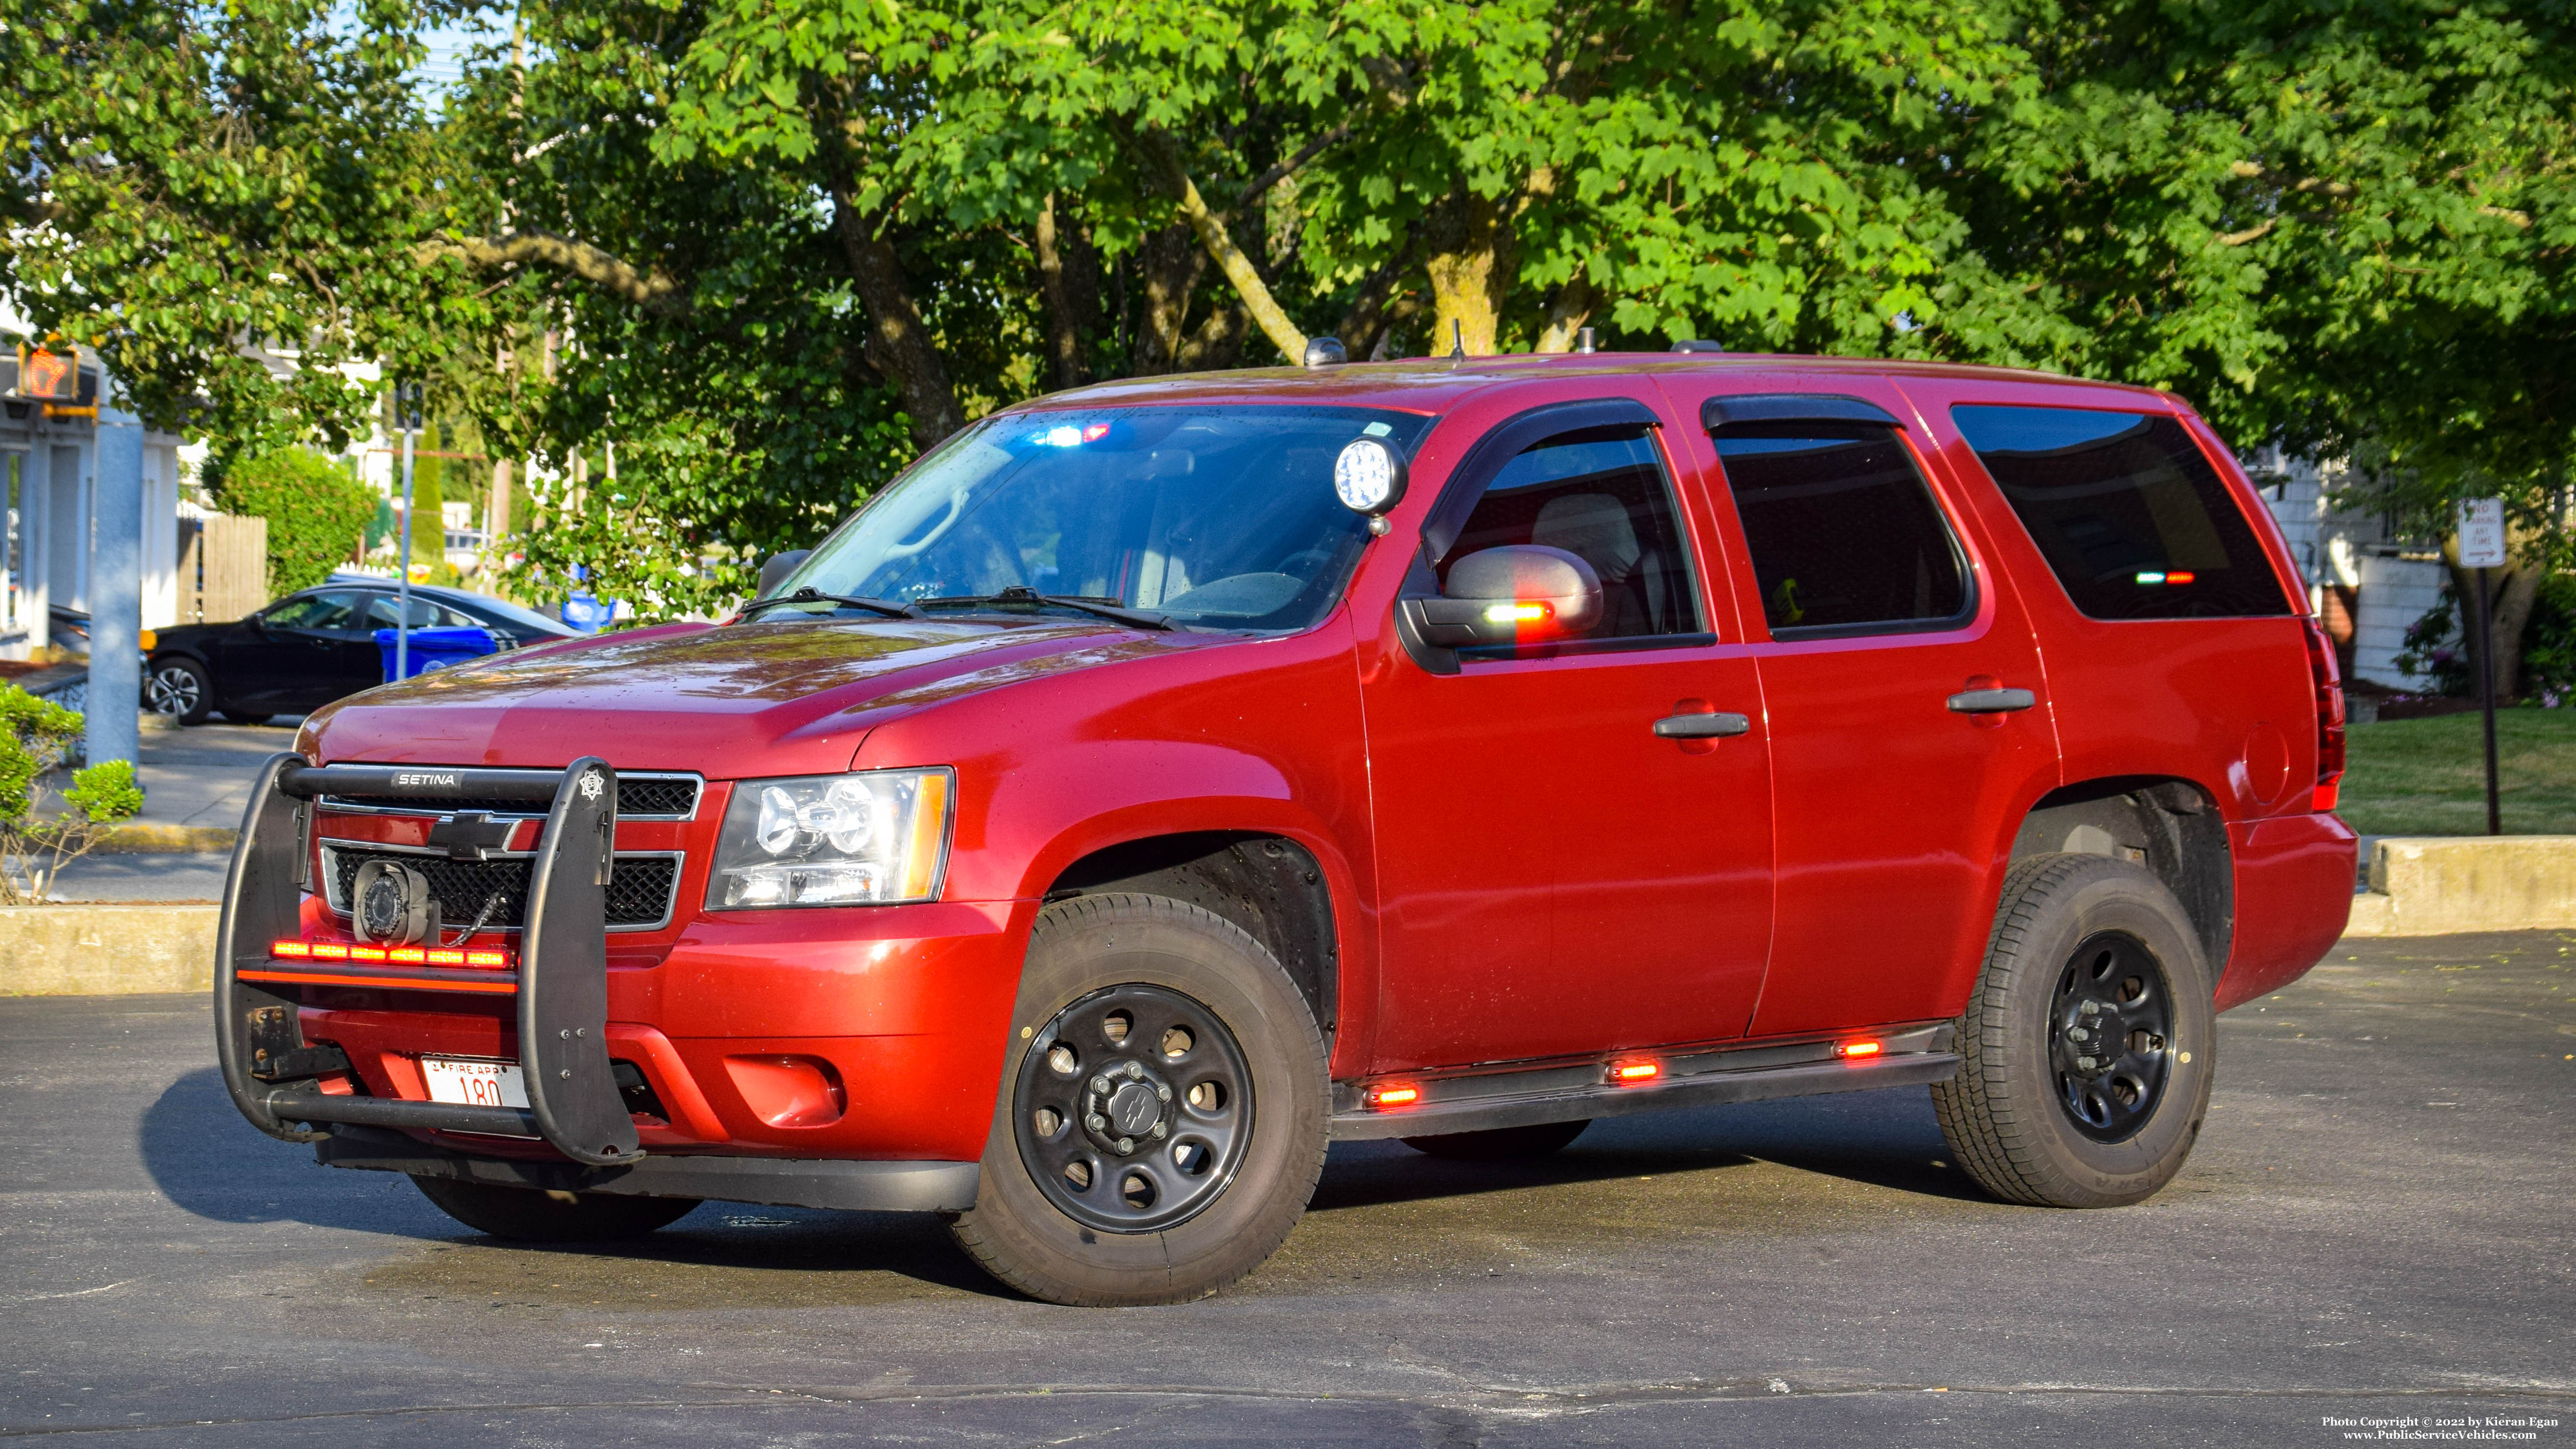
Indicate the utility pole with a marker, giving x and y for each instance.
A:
(2482, 547)
(406, 417)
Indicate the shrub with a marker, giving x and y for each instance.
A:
(314, 511)
(2436, 647)
(34, 735)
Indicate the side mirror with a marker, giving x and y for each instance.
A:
(1516, 594)
(775, 571)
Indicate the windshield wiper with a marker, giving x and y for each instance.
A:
(888, 607)
(1022, 594)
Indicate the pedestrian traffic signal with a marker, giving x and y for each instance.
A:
(52, 377)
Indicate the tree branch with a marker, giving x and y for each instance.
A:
(2251, 233)
(654, 290)
(1159, 153)
(1285, 169)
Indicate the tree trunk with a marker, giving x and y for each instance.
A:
(2519, 590)
(1471, 266)
(1171, 262)
(1567, 314)
(1219, 342)
(1164, 159)
(898, 345)
(1071, 272)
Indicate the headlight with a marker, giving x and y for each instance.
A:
(871, 838)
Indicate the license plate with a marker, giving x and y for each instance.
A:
(472, 1082)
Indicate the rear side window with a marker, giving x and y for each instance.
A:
(1845, 537)
(2128, 512)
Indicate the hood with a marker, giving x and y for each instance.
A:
(727, 701)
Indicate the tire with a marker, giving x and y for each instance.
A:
(1501, 1144)
(1227, 1135)
(2026, 1116)
(242, 717)
(180, 689)
(530, 1216)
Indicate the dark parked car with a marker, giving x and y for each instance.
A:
(313, 647)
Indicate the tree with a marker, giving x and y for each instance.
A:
(315, 512)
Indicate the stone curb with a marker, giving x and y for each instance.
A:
(107, 950)
(2431, 885)
(152, 837)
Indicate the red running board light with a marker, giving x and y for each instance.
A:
(1632, 1074)
(1385, 1097)
(1851, 1049)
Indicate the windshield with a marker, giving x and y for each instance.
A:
(1219, 518)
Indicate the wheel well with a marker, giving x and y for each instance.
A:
(1269, 886)
(2172, 827)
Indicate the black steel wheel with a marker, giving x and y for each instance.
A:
(178, 689)
(2088, 1045)
(1133, 1109)
(1161, 1114)
(2113, 1040)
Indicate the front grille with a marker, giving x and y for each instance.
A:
(639, 886)
(638, 797)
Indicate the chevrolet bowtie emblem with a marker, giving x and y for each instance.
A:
(472, 835)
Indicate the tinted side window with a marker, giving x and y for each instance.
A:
(313, 611)
(1843, 531)
(2128, 512)
(1600, 495)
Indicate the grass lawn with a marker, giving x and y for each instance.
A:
(2428, 776)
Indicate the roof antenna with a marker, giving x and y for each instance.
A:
(1457, 340)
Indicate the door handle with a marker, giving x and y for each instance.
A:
(1991, 701)
(1701, 726)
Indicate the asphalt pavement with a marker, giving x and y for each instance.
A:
(2376, 1228)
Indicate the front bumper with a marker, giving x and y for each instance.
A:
(890, 1187)
(899, 1012)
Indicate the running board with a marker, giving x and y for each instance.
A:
(1529, 1097)
(884, 1187)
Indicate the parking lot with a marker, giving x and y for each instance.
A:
(2376, 1226)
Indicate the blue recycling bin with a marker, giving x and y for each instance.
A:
(437, 648)
(588, 612)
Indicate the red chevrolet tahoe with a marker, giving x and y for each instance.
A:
(1164, 780)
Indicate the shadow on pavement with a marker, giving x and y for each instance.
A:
(1887, 1139)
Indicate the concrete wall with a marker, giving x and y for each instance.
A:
(2439, 885)
(106, 950)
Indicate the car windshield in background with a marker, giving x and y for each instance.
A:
(1218, 518)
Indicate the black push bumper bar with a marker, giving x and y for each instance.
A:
(561, 983)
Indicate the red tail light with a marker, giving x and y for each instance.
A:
(2329, 682)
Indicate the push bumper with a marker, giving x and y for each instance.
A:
(560, 985)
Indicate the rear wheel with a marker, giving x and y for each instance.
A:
(1161, 1119)
(2089, 1044)
(551, 1217)
(1501, 1144)
(179, 690)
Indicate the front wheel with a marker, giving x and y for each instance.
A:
(179, 690)
(2088, 1046)
(1162, 1113)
